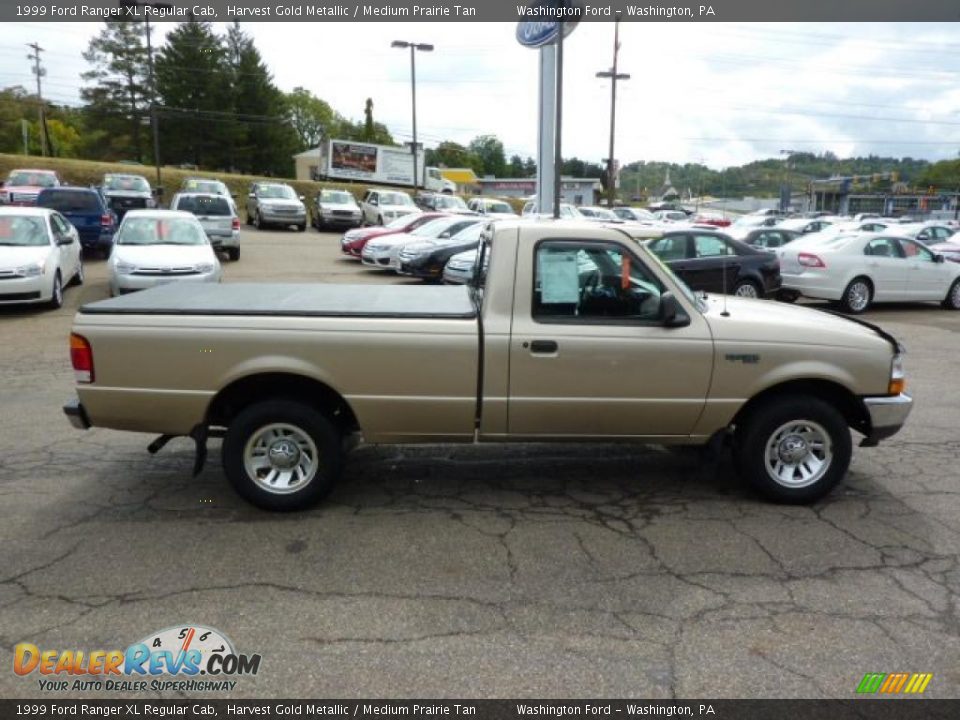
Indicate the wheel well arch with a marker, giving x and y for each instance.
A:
(864, 276)
(250, 389)
(833, 393)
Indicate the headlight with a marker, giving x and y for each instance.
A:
(124, 268)
(34, 270)
(204, 268)
(898, 378)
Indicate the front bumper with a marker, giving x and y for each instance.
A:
(342, 221)
(887, 416)
(77, 415)
(274, 217)
(25, 289)
(120, 284)
(378, 259)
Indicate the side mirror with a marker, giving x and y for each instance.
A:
(301, 198)
(938, 258)
(64, 240)
(672, 313)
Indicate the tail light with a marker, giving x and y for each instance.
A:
(106, 220)
(235, 224)
(81, 355)
(810, 260)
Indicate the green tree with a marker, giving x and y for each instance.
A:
(195, 86)
(312, 119)
(490, 154)
(264, 138)
(367, 131)
(117, 101)
(452, 155)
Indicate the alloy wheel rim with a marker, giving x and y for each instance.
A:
(955, 295)
(281, 458)
(858, 296)
(798, 454)
(746, 290)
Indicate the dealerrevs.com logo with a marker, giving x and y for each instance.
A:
(181, 658)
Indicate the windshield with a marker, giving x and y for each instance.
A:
(434, 227)
(395, 199)
(24, 231)
(468, 235)
(132, 183)
(337, 197)
(276, 192)
(204, 205)
(447, 201)
(70, 201)
(500, 207)
(33, 179)
(206, 186)
(161, 231)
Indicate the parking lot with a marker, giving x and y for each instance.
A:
(442, 571)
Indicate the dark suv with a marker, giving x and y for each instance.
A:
(87, 211)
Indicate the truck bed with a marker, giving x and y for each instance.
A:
(292, 300)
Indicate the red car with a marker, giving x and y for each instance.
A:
(22, 186)
(352, 242)
(712, 219)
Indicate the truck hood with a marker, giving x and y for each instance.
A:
(164, 255)
(14, 257)
(32, 189)
(763, 321)
(127, 194)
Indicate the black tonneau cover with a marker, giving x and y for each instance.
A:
(296, 300)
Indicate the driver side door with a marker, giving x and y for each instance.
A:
(68, 246)
(590, 355)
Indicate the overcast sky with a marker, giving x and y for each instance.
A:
(722, 93)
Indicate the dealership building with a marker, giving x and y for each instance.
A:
(576, 191)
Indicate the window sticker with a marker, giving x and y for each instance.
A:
(559, 279)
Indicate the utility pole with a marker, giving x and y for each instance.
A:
(39, 72)
(614, 76)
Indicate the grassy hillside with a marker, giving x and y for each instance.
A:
(88, 172)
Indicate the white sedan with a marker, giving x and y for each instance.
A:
(863, 268)
(154, 247)
(39, 255)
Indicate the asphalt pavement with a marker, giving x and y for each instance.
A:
(528, 570)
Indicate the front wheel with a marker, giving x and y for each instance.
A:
(258, 221)
(793, 449)
(302, 228)
(233, 254)
(282, 455)
(56, 294)
(952, 301)
(78, 278)
(857, 296)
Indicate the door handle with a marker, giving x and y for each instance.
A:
(543, 347)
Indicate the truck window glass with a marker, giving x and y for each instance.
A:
(591, 282)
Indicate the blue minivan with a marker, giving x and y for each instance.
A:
(87, 211)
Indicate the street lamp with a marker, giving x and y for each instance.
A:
(423, 47)
(614, 76)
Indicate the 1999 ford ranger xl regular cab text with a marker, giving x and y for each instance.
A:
(568, 332)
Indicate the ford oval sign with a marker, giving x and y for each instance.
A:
(539, 32)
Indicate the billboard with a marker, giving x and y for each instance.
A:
(373, 163)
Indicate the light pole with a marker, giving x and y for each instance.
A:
(614, 76)
(423, 47)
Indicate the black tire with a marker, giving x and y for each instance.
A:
(233, 254)
(78, 278)
(852, 301)
(771, 419)
(248, 220)
(952, 300)
(747, 288)
(258, 221)
(302, 228)
(304, 420)
(380, 220)
(788, 296)
(56, 299)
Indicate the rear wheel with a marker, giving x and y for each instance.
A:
(793, 449)
(952, 301)
(857, 296)
(747, 289)
(282, 455)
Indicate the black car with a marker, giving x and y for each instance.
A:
(427, 260)
(767, 238)
(715, 262)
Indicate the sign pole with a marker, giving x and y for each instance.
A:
(546, 146)
(558, 135)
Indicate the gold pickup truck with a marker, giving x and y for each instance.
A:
(568, 332)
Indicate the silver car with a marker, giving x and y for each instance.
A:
(154, 247)
(337, 209)
(275, 204)
(217, 216)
